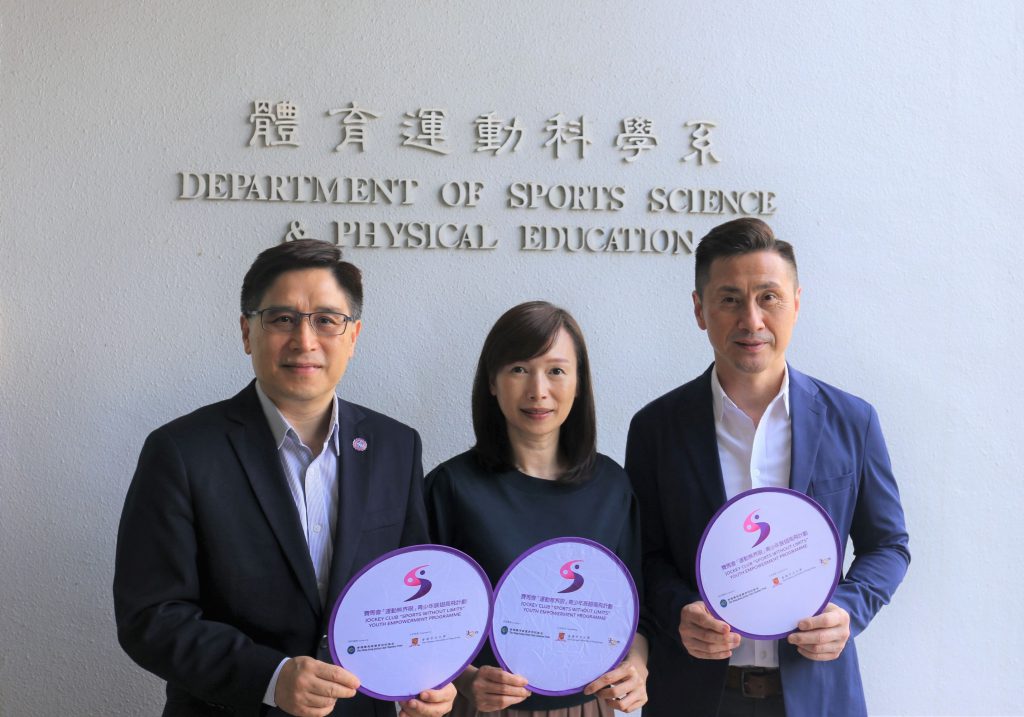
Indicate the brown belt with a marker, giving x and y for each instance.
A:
(757, 682)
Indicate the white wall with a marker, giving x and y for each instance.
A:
(891, 133)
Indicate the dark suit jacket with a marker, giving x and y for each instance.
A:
(213, 582)
(839, 458)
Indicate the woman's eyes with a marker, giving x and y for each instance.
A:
(556, 371)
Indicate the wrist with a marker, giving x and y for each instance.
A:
(270, 695)
(464, 682)
(638, 652)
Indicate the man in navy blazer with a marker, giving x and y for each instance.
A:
(750, 421)
(246, 518)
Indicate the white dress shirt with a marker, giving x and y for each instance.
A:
(753, 457)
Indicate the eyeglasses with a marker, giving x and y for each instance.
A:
(286, 321)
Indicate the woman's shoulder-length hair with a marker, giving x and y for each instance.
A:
(524, 332)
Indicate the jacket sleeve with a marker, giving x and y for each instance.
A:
(878, 532)
(628, 549)
(414, 530)
(666, 589)
(157, 591)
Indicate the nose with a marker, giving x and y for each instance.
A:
(752, 317)
(303, 337)
(538, 386)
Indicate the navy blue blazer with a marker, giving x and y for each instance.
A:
(839, 458)
(213, 583)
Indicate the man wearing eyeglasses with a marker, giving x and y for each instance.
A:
(246, 518)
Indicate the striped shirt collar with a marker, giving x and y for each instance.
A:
(280, 427)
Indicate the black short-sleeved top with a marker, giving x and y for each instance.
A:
(495, 517)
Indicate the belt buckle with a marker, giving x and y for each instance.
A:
(744, 673)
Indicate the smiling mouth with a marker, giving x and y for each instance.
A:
(303, 367)
(537, 412)
(753, 341)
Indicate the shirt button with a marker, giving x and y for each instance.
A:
(316, 528)
(764, 654)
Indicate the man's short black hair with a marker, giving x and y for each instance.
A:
(740, 236)
(297, 255)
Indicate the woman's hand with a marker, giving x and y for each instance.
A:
(625, 687)
(491, 688)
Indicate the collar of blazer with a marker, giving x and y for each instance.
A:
(696, 431)
(809, 413)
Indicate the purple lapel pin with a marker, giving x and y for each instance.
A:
(359, 444)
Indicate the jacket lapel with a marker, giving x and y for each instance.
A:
(357, 449)
(254, 445)
(699, 440)
(808, 417)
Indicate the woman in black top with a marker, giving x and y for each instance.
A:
(533, 475)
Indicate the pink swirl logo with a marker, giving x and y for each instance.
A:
(415, 578)
(751, 526)
(568, 571)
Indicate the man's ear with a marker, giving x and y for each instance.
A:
(354, 330)
(698, 311)
(243, 322)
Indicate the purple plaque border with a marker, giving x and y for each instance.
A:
(797, 494)
(530, 551)
(386, 556)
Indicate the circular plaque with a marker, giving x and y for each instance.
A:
(565, 613)
(411, 620)
(769, 558)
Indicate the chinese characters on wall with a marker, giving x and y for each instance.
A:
(428, 128)
(433, 131)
